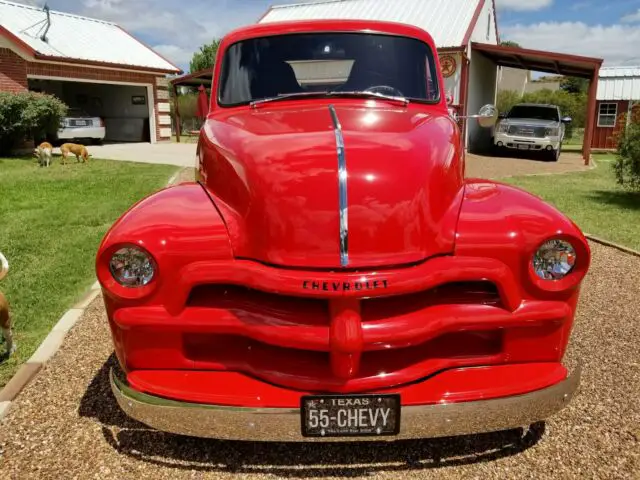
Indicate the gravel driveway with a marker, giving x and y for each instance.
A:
(505, 165)
(66, 424)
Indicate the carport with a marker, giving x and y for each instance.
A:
(550, 62)
(203, 77)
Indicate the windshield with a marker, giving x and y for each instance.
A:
(534, 112)
(268, 67)
(76, 112)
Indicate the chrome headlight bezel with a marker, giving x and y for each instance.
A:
(554, 260)
(132, 267)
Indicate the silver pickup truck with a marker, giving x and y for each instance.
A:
(532, 127)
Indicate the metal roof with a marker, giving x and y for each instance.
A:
(619, 83)
(78, 38)
(446, 20)
(539, 60)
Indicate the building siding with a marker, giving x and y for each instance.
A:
(13, 72)
(605, 137)
(483, 79)
(485, 30)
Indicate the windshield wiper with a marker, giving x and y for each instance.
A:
(354, 93)
(286, 96)
(381, 96)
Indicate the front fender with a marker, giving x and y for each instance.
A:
(178, 225)
(504, 222)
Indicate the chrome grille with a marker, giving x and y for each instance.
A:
(527, 131)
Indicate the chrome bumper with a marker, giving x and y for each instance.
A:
(283, 424)
(514, 141)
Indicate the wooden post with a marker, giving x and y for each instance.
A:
(176, 111)
(591, 116)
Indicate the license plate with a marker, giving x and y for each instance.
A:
(524, 147)
(350, 415)
(80, 123)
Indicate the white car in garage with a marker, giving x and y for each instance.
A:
(79, 125)
(532, 127)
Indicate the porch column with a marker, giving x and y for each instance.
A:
(591, 116)
(176, 111)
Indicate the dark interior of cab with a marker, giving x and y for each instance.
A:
(267, 67)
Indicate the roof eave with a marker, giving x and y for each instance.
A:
(97, 63)
(4, 32)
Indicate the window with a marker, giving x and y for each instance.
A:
(320, 63)
(535, 112)
(607, 115)
(489, 26)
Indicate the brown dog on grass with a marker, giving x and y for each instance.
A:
(44, 152)
(5, 318)
(80, 151)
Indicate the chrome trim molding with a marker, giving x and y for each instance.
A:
(283, 424)
(342, 188)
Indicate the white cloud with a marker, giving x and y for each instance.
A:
(174, 53)
(178, 30)
(616, 44)
(523, 5)
(632, 17)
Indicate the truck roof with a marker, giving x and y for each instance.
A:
(535, 105)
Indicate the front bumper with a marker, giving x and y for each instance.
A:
(526, 143)
(71, 133)
(284, 424)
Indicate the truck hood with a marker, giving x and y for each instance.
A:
(273, 174)
(530, 122)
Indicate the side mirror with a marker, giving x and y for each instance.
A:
(567, 120)
(502, 116)
(487, 117)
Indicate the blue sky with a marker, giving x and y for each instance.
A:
(608, 29)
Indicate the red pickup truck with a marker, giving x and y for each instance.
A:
(332, 275)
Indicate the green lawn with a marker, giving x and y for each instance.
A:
(185, 139)
(576, 139)
(51, 223)
(593, 200)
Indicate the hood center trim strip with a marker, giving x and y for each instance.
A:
(342, 188)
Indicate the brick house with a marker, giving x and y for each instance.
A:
(89, 64)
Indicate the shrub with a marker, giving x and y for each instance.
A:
(506, 100)
(627, 164)
(188, 105)
(28, 115)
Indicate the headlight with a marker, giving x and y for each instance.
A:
(552, 132)
(503, 128)
(132, 267)
(554, 260)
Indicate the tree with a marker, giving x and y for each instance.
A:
(510, 43)
(205, 58)
(627, 164)
(507, 99)
(574, 85)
